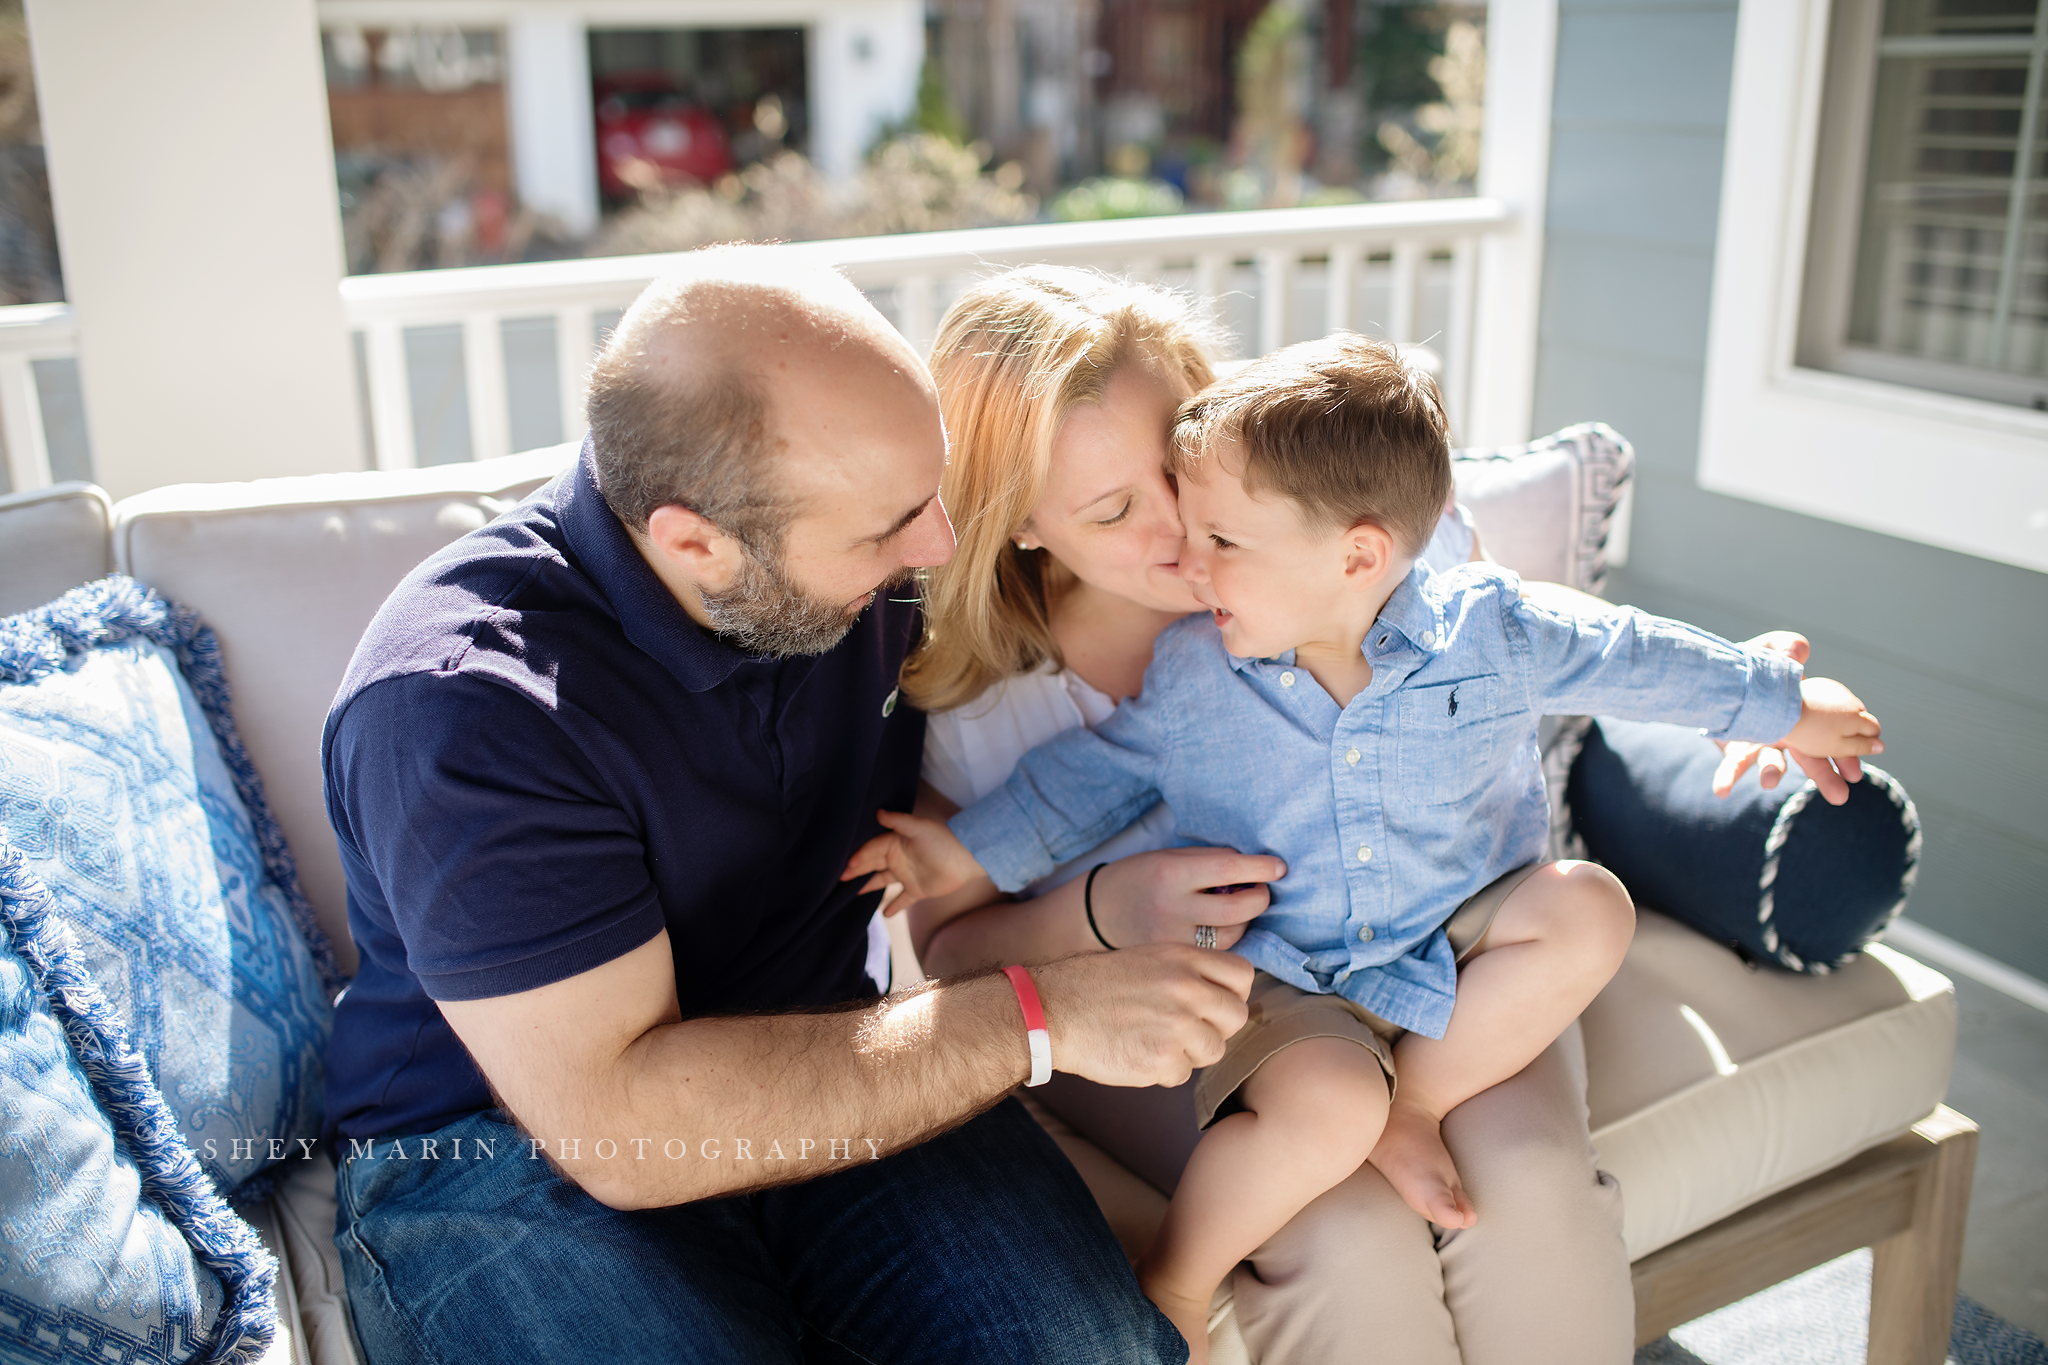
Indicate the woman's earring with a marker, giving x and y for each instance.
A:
(1021, 545)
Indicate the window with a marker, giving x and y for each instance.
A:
(1927, 262)
(1877, 344)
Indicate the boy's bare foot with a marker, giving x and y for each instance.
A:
(1412, 1156)
(1185, 1311)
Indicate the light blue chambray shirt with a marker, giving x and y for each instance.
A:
(1393, 810)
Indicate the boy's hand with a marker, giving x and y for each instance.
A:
(920, 855)
(1770, 760)
(1833, 723)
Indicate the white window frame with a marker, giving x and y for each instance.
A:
(1931, 467)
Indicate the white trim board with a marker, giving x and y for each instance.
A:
(1954, 472)
(1943, 951)
(1514, 167)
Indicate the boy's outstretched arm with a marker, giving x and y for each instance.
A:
(923, 856)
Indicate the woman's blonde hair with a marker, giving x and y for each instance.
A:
(1014, 357)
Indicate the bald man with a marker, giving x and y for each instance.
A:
(614, 1082)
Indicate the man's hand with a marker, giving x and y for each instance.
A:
(920, 856)
(1143, 1016)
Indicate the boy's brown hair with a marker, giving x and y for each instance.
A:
(1340, 426)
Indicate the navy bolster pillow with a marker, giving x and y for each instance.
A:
(1780, 875)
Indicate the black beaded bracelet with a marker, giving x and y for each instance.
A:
(1088, 904)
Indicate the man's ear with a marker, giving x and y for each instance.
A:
(1369, 552)
(689, 544)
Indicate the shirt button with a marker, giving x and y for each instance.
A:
(1351, 757)
(1429, 637)
(1287, 680)
(1364, 854)
(1365, 933)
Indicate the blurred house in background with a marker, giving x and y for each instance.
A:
(469, 132)
(28, 236)
(1307, 100)
(500, 131)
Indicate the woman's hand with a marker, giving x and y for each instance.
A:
(1160, 897)
(1770, 760)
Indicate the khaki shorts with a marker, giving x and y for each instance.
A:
(1282, 1015)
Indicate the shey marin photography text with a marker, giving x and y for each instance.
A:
(431, 1148)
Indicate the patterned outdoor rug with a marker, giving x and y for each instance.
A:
(1822, 1318)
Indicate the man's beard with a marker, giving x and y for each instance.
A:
(765, 611)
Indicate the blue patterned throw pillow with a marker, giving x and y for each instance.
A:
(126, 791)
(153, 919)
(114, 1246)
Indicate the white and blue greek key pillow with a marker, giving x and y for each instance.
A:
(149, 896)
(126, 790)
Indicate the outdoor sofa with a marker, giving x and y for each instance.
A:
(1760, 1121)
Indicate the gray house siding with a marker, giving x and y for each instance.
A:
(1949, 650)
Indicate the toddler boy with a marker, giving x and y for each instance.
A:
(1375, 727)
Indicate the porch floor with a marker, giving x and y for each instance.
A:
(2001, 1081)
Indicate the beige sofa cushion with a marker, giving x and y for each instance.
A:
(1713, 1084)
(297, 1224)
(51, 540)
(288, 572)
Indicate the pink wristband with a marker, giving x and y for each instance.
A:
(1035, 1032)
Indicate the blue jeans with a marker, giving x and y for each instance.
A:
(977, 1247)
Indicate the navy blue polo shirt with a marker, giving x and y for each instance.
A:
(537, 761)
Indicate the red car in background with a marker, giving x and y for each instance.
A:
(648, 134)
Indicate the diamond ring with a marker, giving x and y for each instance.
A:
(1205, 936)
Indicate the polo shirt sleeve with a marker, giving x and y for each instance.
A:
(505, 860)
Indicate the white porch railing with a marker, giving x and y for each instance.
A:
(470, 363)
(33, 337)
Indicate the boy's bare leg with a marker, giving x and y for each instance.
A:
(1556, 940)
(1312, 1113)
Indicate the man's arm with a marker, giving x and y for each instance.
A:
(690, 1108)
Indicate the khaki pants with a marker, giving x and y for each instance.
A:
(1282, 1015)
(1542, 1279)
(1359, 1279)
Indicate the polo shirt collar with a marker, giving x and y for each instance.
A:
(647, 611)
(1409, 611)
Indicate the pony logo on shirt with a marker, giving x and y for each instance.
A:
(1454, 701)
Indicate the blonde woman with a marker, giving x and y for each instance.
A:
(1058, 388)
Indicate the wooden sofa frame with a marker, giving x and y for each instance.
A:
(1907, 1200)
